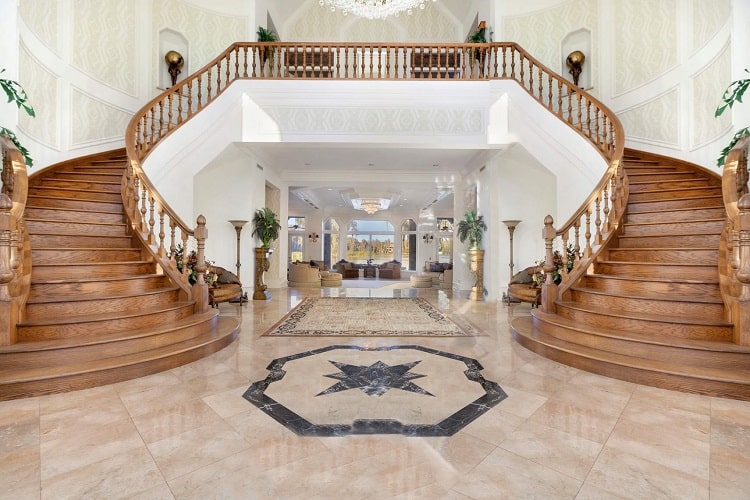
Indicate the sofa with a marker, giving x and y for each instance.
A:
(390, 270)
(347, 270)
(435, 270)
(301, 274)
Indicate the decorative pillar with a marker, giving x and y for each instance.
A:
(476, 266)
(200, 288)
(549, 288)
(512, 224)
(261, 266)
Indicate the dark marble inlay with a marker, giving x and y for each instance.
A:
(375, 379)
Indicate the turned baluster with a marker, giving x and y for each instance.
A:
(185, 257)
(580, 110)
(505, 62)
(151, 220)
(587, 251)
(521, 72)
(172, 244)
(577, 244)
(144, 209)
(564, 256)
(170, 108)
(614, 200)
(541, 85)
(135, 199)
(559, 99)
(569, 98)
(244, 61)
(531, 77)
(161, 251)
(180, 92)
(190, 97)
(598, 220)
(605, 210)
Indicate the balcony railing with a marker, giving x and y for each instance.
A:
(388, 61)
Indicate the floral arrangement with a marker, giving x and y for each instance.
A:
(209, 276)
(540, 276)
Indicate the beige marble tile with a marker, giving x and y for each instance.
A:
(542, 385)
(120, 476)
(230, 402)
(664, 398)
(20, 470)
(671, 420)
(729, 472)
(86, 445)
(166, 421)
(520, 402)
(593, 398)
(462, 451)
(184, 453)
(581, 421)
(143, 384)
(205, 385)
(59, 420)
(621, 473)
(506, 475)
(157, 398)
(558, 450)
(494, 426)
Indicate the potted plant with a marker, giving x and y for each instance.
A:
(479, 36)
(17, 94)
(266, 227)
(732, 95)
(268, 36)
(472, 228)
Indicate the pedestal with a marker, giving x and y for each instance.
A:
(261, 266)
(476, 266)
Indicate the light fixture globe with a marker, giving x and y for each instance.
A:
(374, 9)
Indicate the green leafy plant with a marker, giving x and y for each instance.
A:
(267, 35)
(472, 227)
(733, 94)
(266, 226)
(540, 276)
(192, 261)
(17, 94)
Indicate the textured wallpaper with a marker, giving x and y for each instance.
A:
(95, 120)
(41, 86)
(542, 33)
(314, 22)
(208, 32)
(708, 17)
(378, 121)
(708, 87)
(42, 19)
(643, 54)
(104, 41)
(656, 121)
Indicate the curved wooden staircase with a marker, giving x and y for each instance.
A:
(651, 311)
(98, 311)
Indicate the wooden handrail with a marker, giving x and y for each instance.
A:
(386, 61)
(15, 247)
(734, 261)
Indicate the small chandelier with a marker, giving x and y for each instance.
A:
(374, 9)
(370, 207)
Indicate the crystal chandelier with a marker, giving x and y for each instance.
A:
(370, 205)
(374, 9)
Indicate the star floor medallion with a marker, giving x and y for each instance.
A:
(375, 379)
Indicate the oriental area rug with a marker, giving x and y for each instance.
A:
(375, 317)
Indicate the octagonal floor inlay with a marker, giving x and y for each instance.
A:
(405, 389)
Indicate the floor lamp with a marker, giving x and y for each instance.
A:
(238, 225)
(511, 228)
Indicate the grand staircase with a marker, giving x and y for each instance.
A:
(98, 310)
(651, 311)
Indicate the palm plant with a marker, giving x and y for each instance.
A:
(266, 226)
(472, 228)
(17, 94)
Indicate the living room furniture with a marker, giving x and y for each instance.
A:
(522, 287)
(330, 279)
(419, 281)
(347, 269)
(226, 288)
(435, 270)
(446, 280)
(301, 274)
(390, 270)
(370, 271)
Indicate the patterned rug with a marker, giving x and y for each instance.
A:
(332, 316)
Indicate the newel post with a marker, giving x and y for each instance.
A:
(8, 306)
(549, 288)
(200, 288)
(742, 316)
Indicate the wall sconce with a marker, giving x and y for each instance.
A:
(427, 238)
(313, 237)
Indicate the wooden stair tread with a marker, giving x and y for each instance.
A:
(660, 223)
(104, 264)
(627, 335)
(105, 337)
(661, 318)
(94, 365)
(94, 279)
(35, 196)
(89, 318)
(689, 209)
(667, 235)
(737, 376)
(84, 298)
(122, 224)
(659, 297)
(655, 279)
(83, 210)
(648, 263)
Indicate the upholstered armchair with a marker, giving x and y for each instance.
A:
(301, 274)
(390, 270)
(227, 287)
(347, 269)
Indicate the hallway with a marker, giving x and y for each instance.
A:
(560, 433)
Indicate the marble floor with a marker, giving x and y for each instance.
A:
(560, 433)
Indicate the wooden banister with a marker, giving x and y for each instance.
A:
(15, 248)
(734, 262)
(381, 61)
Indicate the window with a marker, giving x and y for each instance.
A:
(296, 226)
(445, 239)
(331, 242)
(370, 241)
(409, 244)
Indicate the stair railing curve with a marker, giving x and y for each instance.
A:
(734, 249)
(15, 246)
(375, 61)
